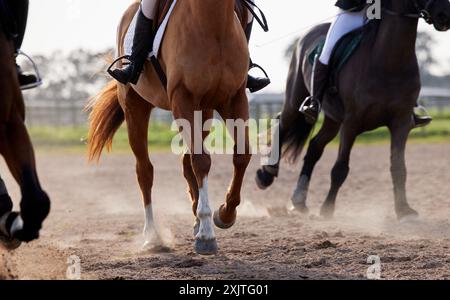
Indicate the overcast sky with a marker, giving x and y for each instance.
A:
(91, 24)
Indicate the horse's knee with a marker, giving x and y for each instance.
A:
(339, 173)
(201, 163)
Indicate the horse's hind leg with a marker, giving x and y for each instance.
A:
(137, 116)
(315, 151)
(399, 135)
(18, 152)
(341, 168)
(225, 217)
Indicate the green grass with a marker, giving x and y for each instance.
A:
(75, 138)
(437, 132)
(161, 136)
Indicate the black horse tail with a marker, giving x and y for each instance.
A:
(295, 135)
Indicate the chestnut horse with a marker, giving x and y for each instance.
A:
(205, 57)
(16, 148)
(379, 86)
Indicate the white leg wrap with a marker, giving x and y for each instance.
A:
(149, 228)
(204, 214)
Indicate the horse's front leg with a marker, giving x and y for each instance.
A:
(315, 151)
(399, 134)
(19, 156)
(225, 217)
(189, 174)
(341, 168)
(191, 128)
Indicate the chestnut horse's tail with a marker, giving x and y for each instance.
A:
(105, 119)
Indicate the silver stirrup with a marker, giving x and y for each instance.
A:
(36, 71)
(421, 110)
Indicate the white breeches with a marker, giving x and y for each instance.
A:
(149, 8)
(344, 23)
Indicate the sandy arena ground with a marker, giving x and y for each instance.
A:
(97, 215)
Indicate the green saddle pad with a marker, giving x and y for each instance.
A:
(342, 51)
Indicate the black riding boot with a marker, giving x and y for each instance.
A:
(312, 105)
(144, 36)
(255, 84)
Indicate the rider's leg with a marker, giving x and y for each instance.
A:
(144, 34)
(254, 84)
(344, 23)
(19, 9)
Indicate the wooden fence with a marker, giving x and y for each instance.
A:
(67, 113)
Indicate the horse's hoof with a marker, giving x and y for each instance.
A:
(264, 179)
(152, 240)
(206, 247)
(220, 224)
(7, 221)
(300, 207)
(8, 243)
(408, 215)
(327, 212)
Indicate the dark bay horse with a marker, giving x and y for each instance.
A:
(379, 86)
(205, 57)
(16, 148)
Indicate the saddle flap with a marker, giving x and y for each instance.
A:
(342, 52)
